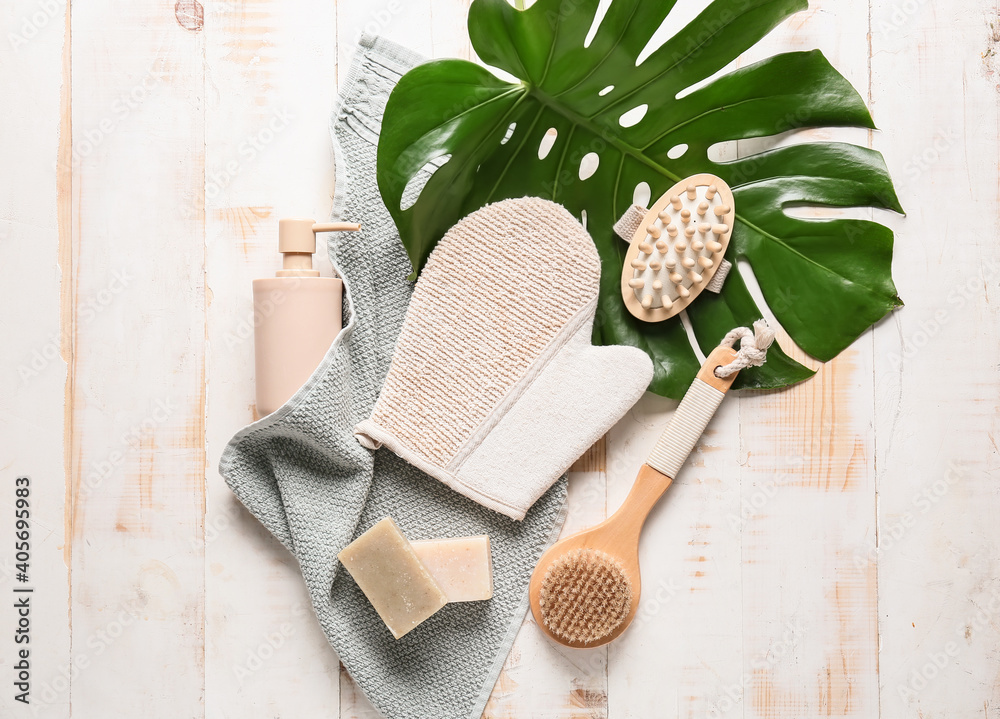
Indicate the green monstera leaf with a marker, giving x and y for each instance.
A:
(479, 138)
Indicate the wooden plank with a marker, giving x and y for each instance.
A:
(689, 625)
(540, 675)
(271, 78)
(935, 95)
(759, 565)
(685, 641)
(809, 603)
(136, 398)
(764, 590)
(34, 214)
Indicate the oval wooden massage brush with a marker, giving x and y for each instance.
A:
(584, 591)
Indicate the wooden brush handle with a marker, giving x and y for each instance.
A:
(693, 414)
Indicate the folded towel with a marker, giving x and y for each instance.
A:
(301, 472)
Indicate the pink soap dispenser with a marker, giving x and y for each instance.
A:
(297, 314)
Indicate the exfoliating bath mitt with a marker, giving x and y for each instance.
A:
(495, 387)
(301, 472)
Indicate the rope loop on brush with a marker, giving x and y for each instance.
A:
(753, 348)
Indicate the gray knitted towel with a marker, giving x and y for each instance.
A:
(302, 473)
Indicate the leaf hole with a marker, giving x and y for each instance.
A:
(691, 89)
(583, 218)
(781, 303)
(548, 140)
(641, 194)
(509, 134)
(633, 116)
(692, 339)
(677, 151)
(680, 16)
(727, 151)
(416, 184)
(825, 212)
(602, 10)
(606, 90)
(588, 165)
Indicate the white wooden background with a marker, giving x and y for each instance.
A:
(832, 550)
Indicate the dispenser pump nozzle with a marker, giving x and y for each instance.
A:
(297, 244)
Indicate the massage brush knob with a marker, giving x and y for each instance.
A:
(680, 244)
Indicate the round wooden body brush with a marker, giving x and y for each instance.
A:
(584, 591)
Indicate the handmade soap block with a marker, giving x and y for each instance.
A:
(462, 567)
(395, 581)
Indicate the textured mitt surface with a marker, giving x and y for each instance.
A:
(495, 388)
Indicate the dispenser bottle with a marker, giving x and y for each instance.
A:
(297, 314)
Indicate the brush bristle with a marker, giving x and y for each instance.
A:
(585, 596)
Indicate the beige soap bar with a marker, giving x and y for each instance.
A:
(388, 571)
(462, 567)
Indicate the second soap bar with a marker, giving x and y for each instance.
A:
(462, 566)
(395, 581)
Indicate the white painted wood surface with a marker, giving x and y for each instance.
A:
(831, 550)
